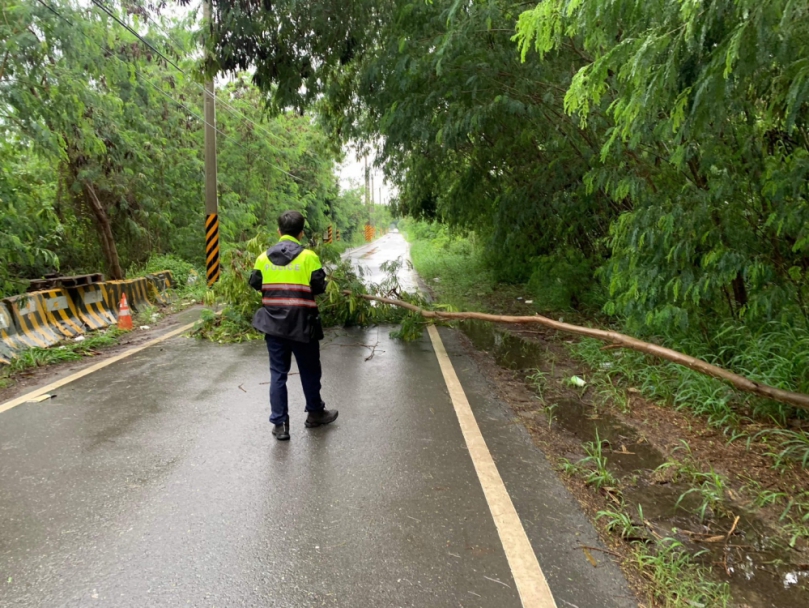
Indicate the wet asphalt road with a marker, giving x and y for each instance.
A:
(156, 482)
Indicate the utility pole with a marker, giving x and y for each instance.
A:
(367, 188)
(368, 236)
(372, 189)
(211, 203)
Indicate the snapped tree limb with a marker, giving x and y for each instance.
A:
(741, 383)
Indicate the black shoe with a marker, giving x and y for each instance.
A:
(320, 418)
(281, 431)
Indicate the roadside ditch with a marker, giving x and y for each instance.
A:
(693, 518)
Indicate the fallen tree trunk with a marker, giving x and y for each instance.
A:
(741, 383)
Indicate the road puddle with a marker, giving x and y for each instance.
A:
(761, 573)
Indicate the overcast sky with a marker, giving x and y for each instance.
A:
(351, 174)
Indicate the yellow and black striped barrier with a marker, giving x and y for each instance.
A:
(10, 341)
(31, 320)
(212, 248)
(136, 290)
(92, 305)
(44, 318)
(140, 294)
(165, 279)
(61, 313)
(159, 283)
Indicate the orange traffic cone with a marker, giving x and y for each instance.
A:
(124, 316)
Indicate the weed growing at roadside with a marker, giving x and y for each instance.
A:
(620, 522)
(790, 445)
(676, 580)
(711, 492)
(599, 476)
(539, 380)
(709, 486)
(569, 468)
(70, 351)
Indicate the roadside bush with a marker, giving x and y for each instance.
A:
(180, 269)
(565, 281)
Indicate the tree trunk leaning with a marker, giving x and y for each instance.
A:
(105, 232)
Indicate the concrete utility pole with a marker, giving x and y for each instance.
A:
(211, 203)
(367, 188)
(368, 236)
(372, 189)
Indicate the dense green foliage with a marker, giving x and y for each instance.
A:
(771, 353)
(101, 159)
(662, 146)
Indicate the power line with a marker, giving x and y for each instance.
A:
(106, 9)
(158, 89)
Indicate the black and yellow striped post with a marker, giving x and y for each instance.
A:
(211, 198)
(330, 235)
(338, 234)
(212, 248)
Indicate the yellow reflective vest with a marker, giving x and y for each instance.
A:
(289, 277)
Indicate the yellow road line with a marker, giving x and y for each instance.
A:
(93, 368)
(531, 584)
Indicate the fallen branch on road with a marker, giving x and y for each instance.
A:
(799, 400)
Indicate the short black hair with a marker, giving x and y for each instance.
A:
(291, 223)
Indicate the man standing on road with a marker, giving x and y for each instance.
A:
(289, 277)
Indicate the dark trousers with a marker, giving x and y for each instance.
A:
(307, 355)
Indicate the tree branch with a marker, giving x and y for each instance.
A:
(741, 383)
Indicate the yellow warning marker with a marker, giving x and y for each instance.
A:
(212, 248)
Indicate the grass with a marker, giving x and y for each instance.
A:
(463, 280)
(595, 463)
(674, 576)
(616, 372)
(794, 518)
(539, 380)
(789, 445)
(71, 351)
(675, 579)
(620, 522)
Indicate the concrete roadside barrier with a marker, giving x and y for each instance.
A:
(61, 313)
(9, 343)
(159, 283)
(140, 294)
(44, 318)
(167, 277)
(30, 318)
(91, 305)
(5, 354)
(136, 290)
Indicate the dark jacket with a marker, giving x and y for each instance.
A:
(289, 311)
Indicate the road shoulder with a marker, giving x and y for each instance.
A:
(554, 522)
